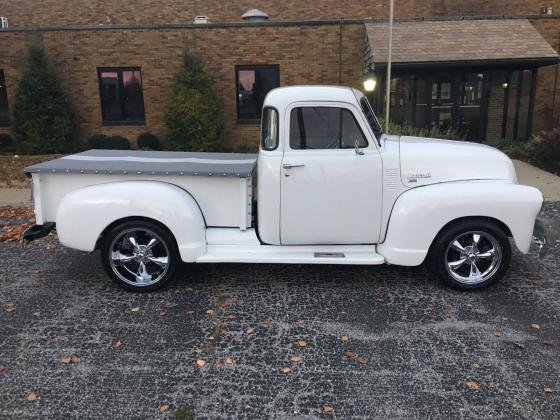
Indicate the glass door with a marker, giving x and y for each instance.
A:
(443, 104)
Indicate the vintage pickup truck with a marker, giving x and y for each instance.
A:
(328, 187)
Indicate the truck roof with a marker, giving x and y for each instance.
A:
(283, 96)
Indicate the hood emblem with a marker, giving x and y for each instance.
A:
(414, 176)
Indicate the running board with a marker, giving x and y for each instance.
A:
(327, 254)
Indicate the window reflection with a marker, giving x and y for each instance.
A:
(253, 83)
(121, 95)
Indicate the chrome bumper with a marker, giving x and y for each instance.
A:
(538, 243)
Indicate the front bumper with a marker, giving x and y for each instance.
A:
(538, 243)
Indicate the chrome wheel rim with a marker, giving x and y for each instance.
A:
(139, 257)
(473, 257)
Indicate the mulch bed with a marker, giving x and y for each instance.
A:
(11, 169)
(13, 222)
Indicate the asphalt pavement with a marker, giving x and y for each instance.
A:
(276, 341)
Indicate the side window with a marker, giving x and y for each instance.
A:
(122, 100)
(269, 129)
(253, 83)
(324, 128)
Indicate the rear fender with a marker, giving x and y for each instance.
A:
(420, 214)
(85, 213)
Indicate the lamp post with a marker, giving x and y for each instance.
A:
(388, 88)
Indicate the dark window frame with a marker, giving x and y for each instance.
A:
(4, 92)
(342, 109)
(119, 71)
(257, 118)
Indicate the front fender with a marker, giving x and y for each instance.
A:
(85, 213)
(420, 214)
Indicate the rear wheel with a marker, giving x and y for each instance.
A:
(139, 256)
(471, 254)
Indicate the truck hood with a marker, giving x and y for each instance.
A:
(430, 161)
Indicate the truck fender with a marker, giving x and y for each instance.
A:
(85, 213)
(421, 213)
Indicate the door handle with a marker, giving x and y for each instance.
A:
(292, 165)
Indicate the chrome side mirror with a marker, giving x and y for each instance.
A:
(359, 151)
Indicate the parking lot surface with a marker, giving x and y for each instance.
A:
(276, 341)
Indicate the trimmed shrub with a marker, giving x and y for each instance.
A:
(549, 145)
(116, 143)
(148, 141)
(527, 150)
(5, 140)
(43, 120)
(407, 129)
(193, 117)
(96, 141)
(101, 141)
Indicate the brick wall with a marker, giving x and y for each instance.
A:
(306, 55)
(33, 13)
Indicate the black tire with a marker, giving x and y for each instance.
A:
(489, 266)
(160, 261)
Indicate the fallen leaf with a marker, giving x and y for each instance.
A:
(10, 307)
(328, 409)
(189, 290)
(350, 354)
(200, 362)
(344, 338)
(136, 309)
(296, 359)
(468, 306)
(268, 323)
(504, 318)
(210, 312)
(417, 300)
(286, 370)
(361, 360)
(164, 408)
(2, 368)
(548, 390)
(302, 343)
(83, 321)
(520, 344)
(301, 322)
(217, 365)
(380, 300)
(65, 359)
(250, 330)
(476, 365)
(117, 344)
(229, 360)
(190, 312)
(75, 360)
(31, 396)
(536, 326)
(491, 384)
(163, 313)
(230, 317)
(498, 333)
(342, 312)
(36, 313)
(473, 386)
(548, 342)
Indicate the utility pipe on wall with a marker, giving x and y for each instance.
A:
(388, 88)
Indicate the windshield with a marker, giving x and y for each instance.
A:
(371, 119)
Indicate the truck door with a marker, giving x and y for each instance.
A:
(331, 177)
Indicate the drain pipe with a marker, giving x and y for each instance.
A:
(555, 83)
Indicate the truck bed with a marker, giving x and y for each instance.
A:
(221, 183)
(148, 162)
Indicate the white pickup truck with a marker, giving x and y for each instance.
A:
(327, 187)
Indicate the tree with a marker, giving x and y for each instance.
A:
(43, 118)
(193, 117)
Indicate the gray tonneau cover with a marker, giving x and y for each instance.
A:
(148, 162)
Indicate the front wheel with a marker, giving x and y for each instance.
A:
(140, 256)
(471, 254)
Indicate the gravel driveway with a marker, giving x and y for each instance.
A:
(254, 341)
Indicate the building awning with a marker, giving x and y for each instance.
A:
(458, 42)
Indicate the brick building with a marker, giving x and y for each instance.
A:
(489, 68)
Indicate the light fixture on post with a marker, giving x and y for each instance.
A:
(370, 82)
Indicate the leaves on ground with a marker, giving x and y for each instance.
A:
(548, 343)
(328, 409)
(296, 359)
(472, 385)
(69, 359)
(164, 408)
(536, 326)
(229, 360)
(361, 360)
(504, 318)
(250, 330)
(2, 367)
(22, 218)
(548, 389)
(498, 333)
(162, 313)
(302, 343)
(520, 344)
(136, 309)
(476, 366)
(117, 344)
(31, 396)
(286, 370)
(344, 338)
(200, 362)
(10, 307)
(350, 354)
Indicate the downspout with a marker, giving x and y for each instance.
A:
(340, 52)
(555, 82)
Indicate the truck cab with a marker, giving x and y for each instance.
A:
(329, 186)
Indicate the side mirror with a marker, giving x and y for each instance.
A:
(359, 151)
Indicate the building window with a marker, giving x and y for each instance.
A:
(122, 101)
(253, 83)
(4, 110)
(324, 128)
